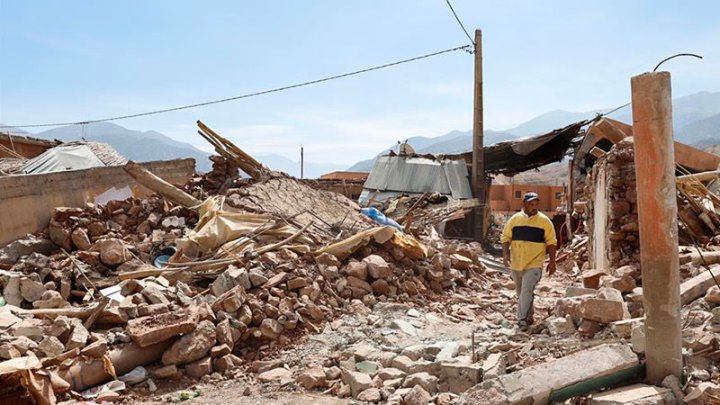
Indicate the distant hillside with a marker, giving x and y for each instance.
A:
(283, 164)
(135, 145)
(463, 142)
(549, 121)
(452, 142)
(703, 132)
(686, 111)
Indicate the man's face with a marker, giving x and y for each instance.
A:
(531, 207)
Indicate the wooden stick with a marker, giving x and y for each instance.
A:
(104, 301)
(160, 186)
(281, 243)
(96, 293)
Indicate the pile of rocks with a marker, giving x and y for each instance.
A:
(101, 301)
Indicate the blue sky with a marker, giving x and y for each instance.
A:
(77, 60)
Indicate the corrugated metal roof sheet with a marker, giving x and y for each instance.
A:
(418, 175)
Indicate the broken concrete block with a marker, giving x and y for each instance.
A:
(113, 251)
(608, 293)
(326, 259)
(78, 337)
(220, 351)
(51, 299)
(377, 267)
(153, 329)
(51, 346)
(417, 396)
(296, 283)
(402, 363)
(357, 381)
(624, 284)
(60, 235)
(578, 291)
(713, 295)
(96, 349)
(494, 366)
(449, 351)
(271, 328)
(371, 395)
(390, 373)
(591, 278)
(357, 269)
(193, 346)
(80, 239)
(623, 329)
(277, 375)
(703, 394)
(199, 368)
(31, 290)
(588, 328)
(603, 310)
(425, 380)
(636, 394)
(535, 383)
(560, 326)
(696, 287)
(167, 372)
(460, 377)
(11, 293)
(224, 363)
(313, 377)
(154, 295)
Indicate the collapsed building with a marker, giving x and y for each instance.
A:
(218, 274)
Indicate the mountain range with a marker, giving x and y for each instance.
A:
(696, 119)
(152, 145)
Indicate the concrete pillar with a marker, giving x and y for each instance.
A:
(657, 210)
(479, 186)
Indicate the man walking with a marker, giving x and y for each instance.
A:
(526, 238)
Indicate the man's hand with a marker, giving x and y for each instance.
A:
(506, 254)
(551, 268)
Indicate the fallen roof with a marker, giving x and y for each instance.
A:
(607, 132)
(417, 174)
(73, 156)
(512, 157)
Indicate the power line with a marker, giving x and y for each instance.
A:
(460, 22)
(259, 93)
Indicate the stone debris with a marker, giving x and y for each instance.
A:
(224, 288)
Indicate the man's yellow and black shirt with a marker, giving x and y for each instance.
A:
(528, 236)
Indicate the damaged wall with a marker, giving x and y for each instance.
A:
(27, 201)
(616, 208)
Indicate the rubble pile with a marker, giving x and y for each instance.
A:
(224, 175)
(245, 273)
(430, 210)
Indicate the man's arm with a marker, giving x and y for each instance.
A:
(506, 254)
(552, 250)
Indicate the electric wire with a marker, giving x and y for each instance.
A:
(460, 22)
(248, 95)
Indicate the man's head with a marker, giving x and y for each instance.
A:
(531, 201)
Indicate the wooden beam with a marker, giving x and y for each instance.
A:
(160, 186)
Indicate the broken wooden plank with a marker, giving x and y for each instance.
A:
(160, 186)
(346, 247)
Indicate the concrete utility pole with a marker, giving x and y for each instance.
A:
(657, 210)
(302, 162)
(478, 158)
